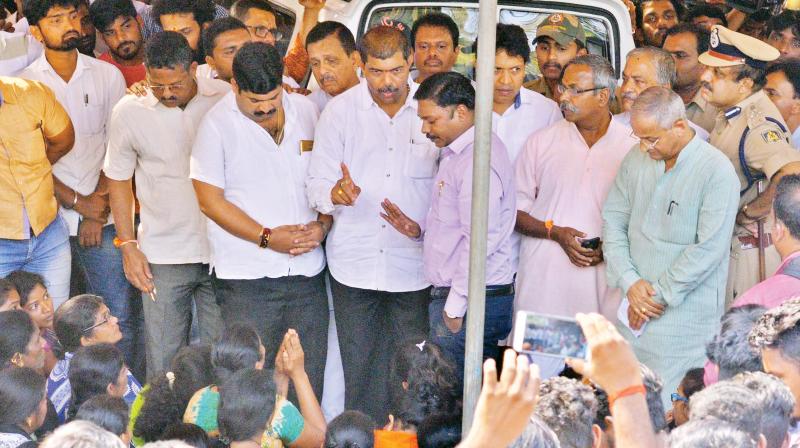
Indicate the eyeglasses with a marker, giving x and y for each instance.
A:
(106, 318)
(262, 31)
(678, 397)
(647, 144)
(562, 89)
(157, 89)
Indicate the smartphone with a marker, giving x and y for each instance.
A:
(554, 336)
(592, 243)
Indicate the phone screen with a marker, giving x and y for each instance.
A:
(550, 335)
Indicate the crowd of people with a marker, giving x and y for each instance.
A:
(193, 247)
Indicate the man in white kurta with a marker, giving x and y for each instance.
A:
(563, 181)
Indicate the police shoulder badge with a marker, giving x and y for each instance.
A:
(771, 136)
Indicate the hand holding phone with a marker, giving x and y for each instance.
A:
(554, 336)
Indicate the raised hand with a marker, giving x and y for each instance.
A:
(394, 216)
(345, 191)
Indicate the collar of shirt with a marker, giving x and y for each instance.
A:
(459, 144)
(289, 113)
(43, 65)
(785, 262)
(688, 151)
(366, 101)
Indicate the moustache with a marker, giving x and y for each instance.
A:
(629, 96)
(551, 65)
(328, 77)
(126, 44)
(260, 114)
(431, 137)
(567, 107)
(433, 60)
(388, 89)
(706, 85)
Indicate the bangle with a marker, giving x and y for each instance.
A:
(628, 391)
(549, 226)
(74, 200)
(118, 243)
(266, 233)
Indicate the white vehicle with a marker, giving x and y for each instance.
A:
(606, 22)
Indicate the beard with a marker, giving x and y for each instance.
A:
(129, 55)
(86, 44)
(66, 44)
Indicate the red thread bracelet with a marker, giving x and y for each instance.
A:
(628, 391)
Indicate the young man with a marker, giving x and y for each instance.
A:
(369, 147)
(783, 88)
(560, 38)
(654, 18)
(188, 17)
(248, 167)
(434, 38)
(88, 89)
(334, 61)
(446, 107)
(121, 29)
(221, 40)
(784, 34)
(167, 259)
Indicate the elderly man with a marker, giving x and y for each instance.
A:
(676, 197)
(446, 107)
(647, 67)
(753, 136)
(563, 176)
(334, 61)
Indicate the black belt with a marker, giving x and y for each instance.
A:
(441, 292)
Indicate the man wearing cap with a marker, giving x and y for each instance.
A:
(751, 132)
(559, 39)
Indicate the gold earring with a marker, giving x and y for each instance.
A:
(17, 360)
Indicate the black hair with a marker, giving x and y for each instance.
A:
(258, 68)
(679, 10)
(701, 35)
(241, 7)
(791, 69)
(6, 286)
(168, 49)
(435, 20)
(104, 12)
(188, 433)
(25, 282)
(382, 42)
(73, 317)
(710, 11)
(350, 429)
(21, 391)
(105, 411)
(164, 404)
(447, 89)
(787, 19)
(758, 75)
(429, 379)
(246, 402)
(17, 330)
(729, 348)
(439, 431)
(202, 10)
(36, 10)
(787, 200)
(511, 39)
(693, 382)
(330, 28)
(237, 348)
(91, 370)
(218, 27)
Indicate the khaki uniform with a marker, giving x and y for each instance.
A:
(767, 150)
(701, 112)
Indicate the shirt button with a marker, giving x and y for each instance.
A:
(383, 226)
(381, 250)
(391, 149)
(388, 175)
(391, 122)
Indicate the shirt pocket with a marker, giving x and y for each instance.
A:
(27, 147)
(680, 223)
(422, 161)
(93, 119)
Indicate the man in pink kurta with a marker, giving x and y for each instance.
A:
(563, 181)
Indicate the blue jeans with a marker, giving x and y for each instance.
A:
(47, 255)
(497, 325)
(100, 269)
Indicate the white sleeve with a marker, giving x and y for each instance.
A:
(207, 163)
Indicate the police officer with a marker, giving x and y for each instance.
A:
(751, 132)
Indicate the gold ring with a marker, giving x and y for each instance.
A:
(341, 191)
(644, 310)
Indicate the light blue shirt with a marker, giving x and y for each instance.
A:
(673, 229)
(796, 138)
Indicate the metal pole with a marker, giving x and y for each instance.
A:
(487, 21)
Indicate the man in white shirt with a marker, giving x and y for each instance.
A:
(647, 67)
(248, 167)
(151, 137)
(221, 40)
(518, 112)
(369, 147)
(334, 61)
(88, 89)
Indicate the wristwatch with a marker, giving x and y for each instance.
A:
(266, 233)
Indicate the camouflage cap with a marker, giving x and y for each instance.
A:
(563, 28)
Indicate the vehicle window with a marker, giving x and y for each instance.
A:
(286, 20)
(598, 28)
